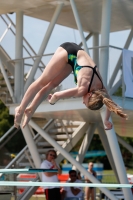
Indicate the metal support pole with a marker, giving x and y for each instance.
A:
(112, 139)
(32, 147)
(43, 45)
(14, 179)
(70, 158)
(77, 19)
(5, 32)
(86, 38)
(7, 134)
(105, 31)
(118, 65)
(7, 82)
(96, 50)
(19, 68)
(86, 143)
(105, 143)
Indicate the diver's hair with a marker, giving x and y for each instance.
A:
(102, 98)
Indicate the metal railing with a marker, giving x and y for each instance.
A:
(6, 18)
(6, 137)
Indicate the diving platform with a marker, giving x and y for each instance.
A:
(73, 109)
(90, 12)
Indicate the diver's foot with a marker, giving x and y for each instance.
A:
(27, 116)
(18, 117)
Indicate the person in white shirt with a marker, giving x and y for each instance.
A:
(51, 192)
(72, 193)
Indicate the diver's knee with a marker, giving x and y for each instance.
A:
(53, 84)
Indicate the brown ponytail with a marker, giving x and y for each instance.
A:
(99, 98)
(114, 107)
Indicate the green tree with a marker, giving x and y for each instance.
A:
(96, 144)
(118, 92)
(127, 156)
(6, 120)
(17, 142)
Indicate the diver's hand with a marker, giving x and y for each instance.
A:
(52, 98)
(108, 125)
(49, 99)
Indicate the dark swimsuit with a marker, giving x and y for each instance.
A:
(93, 173)
(72, 50)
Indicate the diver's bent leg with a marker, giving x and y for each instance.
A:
(43, 93)
(40, 96)
(53, 69)
(29, 95)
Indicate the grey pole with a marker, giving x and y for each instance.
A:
(96, 51)
(70, 158)
(7, 82)
(43, 45)
(86, 143)
(105, 143)
(112, 139)
(19, 68)
(77, 19)
(32, 147)
(105, 31)
(86, 38)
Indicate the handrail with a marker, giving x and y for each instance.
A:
(6, 134)
(20, 153)
(26, 147)
(23, 39)
(8, 138)
(99, 47)
(24, 58)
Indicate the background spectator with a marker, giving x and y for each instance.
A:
(90, 192)
(72, 193)
(79, 176)
(51, 192)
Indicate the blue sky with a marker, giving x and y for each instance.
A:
(35, 29)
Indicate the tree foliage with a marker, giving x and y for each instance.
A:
(118, 92)
(96, 144)
(17, 142)
(6, 120)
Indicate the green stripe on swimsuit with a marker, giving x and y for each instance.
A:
(76, 67)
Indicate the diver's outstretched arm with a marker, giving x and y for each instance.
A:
(107, 123)
(74, 92)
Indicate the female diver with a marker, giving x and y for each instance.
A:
(67, 58)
